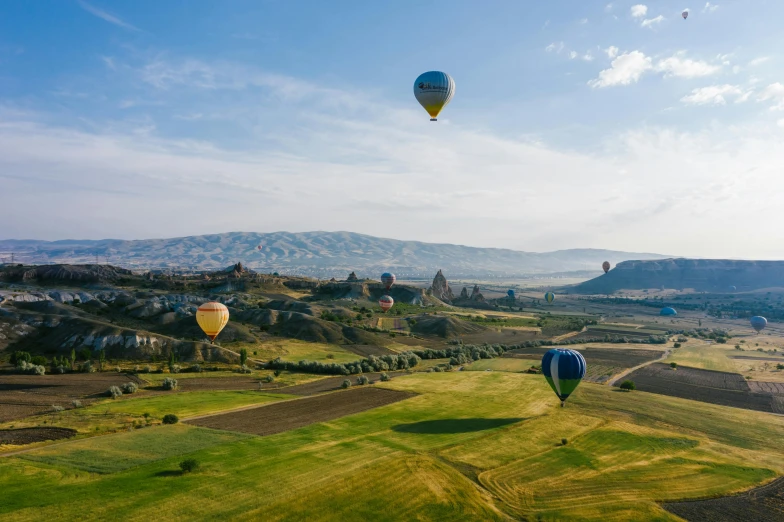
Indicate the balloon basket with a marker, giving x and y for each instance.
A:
(433, 119)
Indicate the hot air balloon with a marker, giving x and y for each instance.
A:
(386, 303)
(388, 280)
(758, 323)
(510, 294)
(549, 297)
(606, 266)
(685, 14)
(563, 369)
(212, 317)
(433, 90)
(259, 247)
(732, 288)
(668, 311)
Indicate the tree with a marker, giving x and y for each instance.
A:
(362, 379)
(114, 392)
(170, 418)
(674, 365)
(243, 356)
(171, 360)
(189, 465)
(73, 358)
(101, 359)
(346, 384)
(628, 385)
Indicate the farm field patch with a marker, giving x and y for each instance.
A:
(21, 436)
(502, 364)
(762, 504)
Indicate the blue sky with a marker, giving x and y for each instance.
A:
(574, 124)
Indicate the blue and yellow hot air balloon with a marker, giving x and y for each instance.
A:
(563, 369)
(510, 294)
(549, 297)
(758, 323)
(434, 90)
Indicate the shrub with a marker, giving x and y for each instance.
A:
(118, 369)
(268, 378)
(189, 465)
(780, 366)
(674, 365)
(437, 369)
(19, 356)
(175, 368)
(170, 418)
(677, 345)
(244, 369)
(628, 385)
(39, 360)
(76, 404)
(196, 368)
(169, 384)
(30, 368)
(362, 380)
(384, 377)
(277, 373)
(346, 384)
(114, 392)
(57, 409)
(330, 356)
(148, 369)
(129, 387)
(564, 442)
(87, 367)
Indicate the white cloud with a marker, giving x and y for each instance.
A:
(583, 21)
(714, 95)
(572, 55)
(780, 123)
(774, 93)
(757, 61)
(555, 47)
(624, 70)
(652, 21)
(106, 16)
(639, 10)
(588, 57)
(611, 51)
(608, 8)
(685, 68)
(709, 8)
(736, 69)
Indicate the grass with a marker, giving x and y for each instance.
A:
(285, 378)
(502, 364)
(295, 350)
(470, 446)
(699, 354)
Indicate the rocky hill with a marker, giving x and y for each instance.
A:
(709, 275)
(320, 254)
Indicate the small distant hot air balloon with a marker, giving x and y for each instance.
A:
(563, 369)
(606, 266)
(259, 247)
(388, 280)
(386, 303)
(732, 288)
(510, 294)
(758, 323)
(212, 317)
(549, 297)
(433, 90)
(685, 14)
(668, 311)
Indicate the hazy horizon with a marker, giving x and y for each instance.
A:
(601, 125)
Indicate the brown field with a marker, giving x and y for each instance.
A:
(775, 388)
(366, 350)
(23, 436)
(724, 388)
(25, 395)
(290, 415)
(329, 384)
(762, 504)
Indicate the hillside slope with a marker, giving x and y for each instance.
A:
(710, 275)
(313, 253)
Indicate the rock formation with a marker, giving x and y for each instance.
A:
(476, 295)
(464, 293)
(352, 278)
(440, 288)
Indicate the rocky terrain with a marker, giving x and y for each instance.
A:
(318, 254)
(709, 275)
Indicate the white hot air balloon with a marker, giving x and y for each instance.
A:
(433, 90)
(685, 14)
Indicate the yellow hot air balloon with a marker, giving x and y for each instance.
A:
(212, 317)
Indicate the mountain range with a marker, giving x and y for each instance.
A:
(319, 254)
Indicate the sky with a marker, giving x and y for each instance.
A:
(575, 124)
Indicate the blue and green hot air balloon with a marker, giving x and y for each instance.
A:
(549, 297)
(668, 311)
(510, 294)
(563, 369)
(758, 323)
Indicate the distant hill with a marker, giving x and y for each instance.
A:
(320, 254)
(709, 275)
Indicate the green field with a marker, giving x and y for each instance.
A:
(294, 350)
(470, 446)
(502, 364)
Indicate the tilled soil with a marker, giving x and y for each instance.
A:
(726, 389)
(25, 395)
(29, 435)
(775, 388)
(290, 415)
(763, 504)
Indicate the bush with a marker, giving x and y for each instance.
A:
(189, 465)
(76, 404)
(362, 380)
(564, 442)
(87, 367)
(170, 418)
(674, 365)
(628, 385)
(169, 384)
(196, 368)
(676, 345)
(148, 369)
(244, 369)
(129, 387)
(277, 373)
(19, 356)
(114, 392)
(57, 409)
(346, 384)
(384, 377)
(39, 360)
(780, 366)
(268, 378)
(30, 368)
(243, 356)
(175, 368)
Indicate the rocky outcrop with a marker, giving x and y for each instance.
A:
(464, 293)
(708, 275)
(66, 273)
(352, 277)
(476, 295)
(440, 288)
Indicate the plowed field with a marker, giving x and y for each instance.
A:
(763, 504)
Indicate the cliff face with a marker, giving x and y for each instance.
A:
(709, 275)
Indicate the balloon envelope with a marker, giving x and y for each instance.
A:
(549, 297)
(212, 317)
(668, 311)
(732, 288)
(434, 90)
(510, 293)
(563, 369)
(606, 266)
(685, 15)
(758, 322)
(388, 280)
(386, 302)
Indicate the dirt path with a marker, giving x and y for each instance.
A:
(568, 335)
(626, 372)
